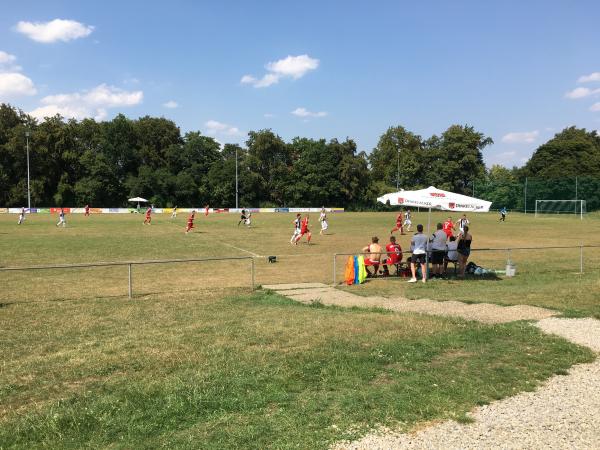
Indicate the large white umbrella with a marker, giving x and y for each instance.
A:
(433, 198)
(138, 200)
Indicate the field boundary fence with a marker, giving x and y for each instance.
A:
(130, 265)
(509, 252)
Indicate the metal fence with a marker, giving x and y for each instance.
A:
(555, 258)
(131, 264)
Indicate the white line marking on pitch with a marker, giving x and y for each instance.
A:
(242, 250)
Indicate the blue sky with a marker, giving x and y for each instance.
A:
(516, 70)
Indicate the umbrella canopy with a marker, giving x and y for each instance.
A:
(138, 199)
(434, 198)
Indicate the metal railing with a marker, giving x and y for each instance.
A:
(508, 251)
(130, 265)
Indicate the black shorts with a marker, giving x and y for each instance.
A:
(437, 256)
(418, 259)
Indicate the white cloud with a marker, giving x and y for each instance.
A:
(595, 107)
(588, 78)
(214, 127)
(7, 58)
(303, 112)
(582, 92)
(55, 30)
(171, 104)
(91, 103)
(268, 115)
(523, 137)
(13, 84)
(293, 67)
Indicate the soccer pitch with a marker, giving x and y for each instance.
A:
(544, 277)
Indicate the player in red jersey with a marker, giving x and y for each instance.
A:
(87, 210)
(398, 224)
(394, 255)
(304, 230)
(206, 208)
(190, 222)
(148, 218)
(448, 227)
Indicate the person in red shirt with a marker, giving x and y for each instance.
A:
(87, 210)
(394, 255)
(398, 224)
(448, 227)
(304, 230)
(148, 218)
(190, 222)
(206, 210)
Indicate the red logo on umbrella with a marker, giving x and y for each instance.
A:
(451, 205)
(400, 200)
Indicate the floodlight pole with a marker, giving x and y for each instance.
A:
(28, 180)
(236, 178)
(398, 173)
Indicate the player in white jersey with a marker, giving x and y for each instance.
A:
(248, 220)
(462, 223)
(323, 220)
(21, 216)
(61, 218)
(174, 213)
(297, 226)
(407, 219)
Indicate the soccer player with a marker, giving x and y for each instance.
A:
(503, 214)
(449, 227)
(323, 220)
(174, 213)
(87, 211)
(21, 216)
(248, 220)
(462, 223)
(407, 220)
(297, 225)
(398, 224)
(148, 218)
(61, 218)
(304, 230)
(190, 222)
(242, 217)
(394, 256)
(206, 208)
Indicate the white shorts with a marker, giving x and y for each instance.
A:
(324, 225)
(296, 232)
(407, 222)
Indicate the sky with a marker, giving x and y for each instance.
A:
(517, 71)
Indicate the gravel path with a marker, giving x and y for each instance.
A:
(564, 413)
(482, 312)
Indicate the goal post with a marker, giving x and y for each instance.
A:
(576, 207)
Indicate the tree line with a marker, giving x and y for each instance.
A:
(104, 163)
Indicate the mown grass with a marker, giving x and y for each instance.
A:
(225, 369)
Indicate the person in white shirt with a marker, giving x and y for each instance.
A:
(438, 247)
(21, 216)
(418, 247)
(462, 223)
(452, 255)
(323, 220)
(174, 213)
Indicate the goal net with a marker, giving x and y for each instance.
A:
(560, 207)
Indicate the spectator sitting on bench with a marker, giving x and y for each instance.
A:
(452, 255)
(394, 256)
(373, 256)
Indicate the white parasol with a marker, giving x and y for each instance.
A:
(138, 200)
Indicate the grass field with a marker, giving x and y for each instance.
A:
(196, 360)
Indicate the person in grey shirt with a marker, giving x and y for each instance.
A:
(418, 247)
(438, 251)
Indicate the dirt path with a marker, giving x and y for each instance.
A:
(562, 413)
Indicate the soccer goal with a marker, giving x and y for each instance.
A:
(560, 207)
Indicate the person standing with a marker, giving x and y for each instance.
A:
(87, 211)
(323, 220)
(148, 218)
(297, 224)
(464, 250)
(462, 223)
(448, 227)
(206, 208)
(304, 230)
(190, 222)
(418, 247)
(438, 251)
(174, 213)
(21, 216)
(407, 220)
(61, 218)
